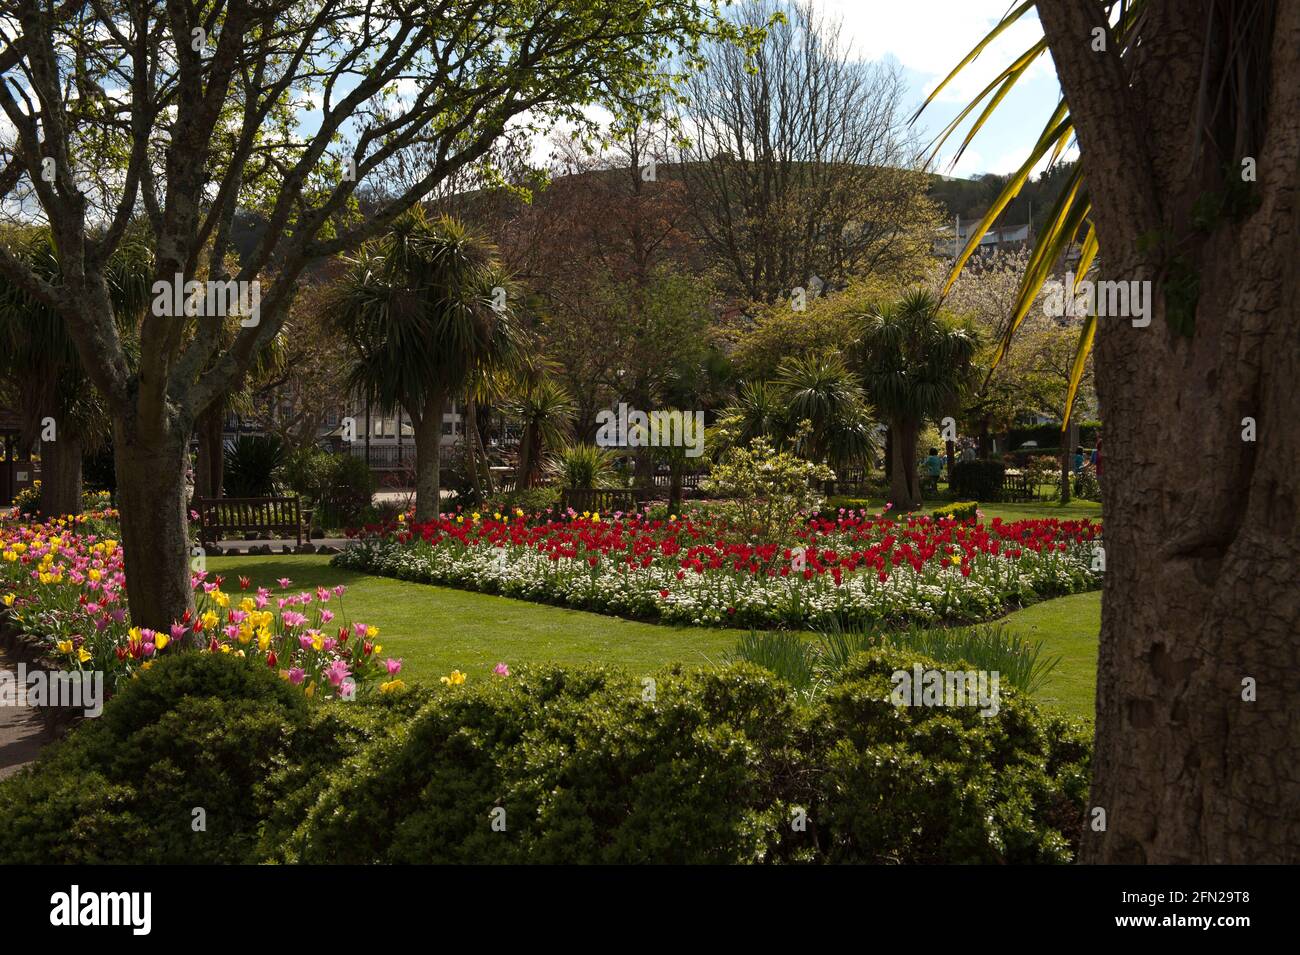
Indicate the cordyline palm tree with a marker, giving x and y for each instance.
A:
(822, 390)
(915, 364)
(420, 307)
(43, 372)
(1187, 118)
(546, 410)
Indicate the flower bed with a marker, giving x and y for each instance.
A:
(852, 566)
(64, 592)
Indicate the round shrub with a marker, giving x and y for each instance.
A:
(918, 784)
(195, 731)
(578, 766)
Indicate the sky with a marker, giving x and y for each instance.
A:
(928, 38)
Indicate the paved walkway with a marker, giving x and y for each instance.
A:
(22, 732)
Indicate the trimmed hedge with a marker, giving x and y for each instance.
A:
(1049, 435)
(957, 510)
(977, 481)
(550, 765)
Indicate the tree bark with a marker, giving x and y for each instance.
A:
(1201, 600)
(905, 489)
(428, 458)
(151, 497)
(209, 470)
(677, 465)
(61, 476)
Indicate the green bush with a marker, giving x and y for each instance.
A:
(579, 765)
(251, 465)
(919, 784)
(530, 500)
(350, 487)
(195, 731)
(977, 481)
(338, 486)
(584, 768)
(581, 465)
(957, 510)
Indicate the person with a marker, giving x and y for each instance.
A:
(1096, 458)
(1078, 460)
(933, 464)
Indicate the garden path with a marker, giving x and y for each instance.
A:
(22, 731)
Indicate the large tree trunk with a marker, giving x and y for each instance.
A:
(209, 470)
(1197, 722)
(905, 488)
(428, 458)
(61, 476)
(151, 496)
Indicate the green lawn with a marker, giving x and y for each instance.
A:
(435, 630)
(1068, 627)
(439, 629)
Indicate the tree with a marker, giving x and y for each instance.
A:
(824, 393)
(545, 410)
(192, 113)
(1187, 116)
(44, 377)
(1032, 376)
(799, 166)
(915, 364)
(425, 308)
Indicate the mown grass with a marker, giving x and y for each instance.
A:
(435, 630)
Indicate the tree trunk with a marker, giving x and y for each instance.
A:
(428, 459)
(469, 435)
(151, 496)
(1065, 462)
(1197, 723)
(905, 490)
(209, 469)
(61, 476)
(677, 465)
(524, 467)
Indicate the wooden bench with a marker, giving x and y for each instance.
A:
(268, 517)
(1015, 487)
